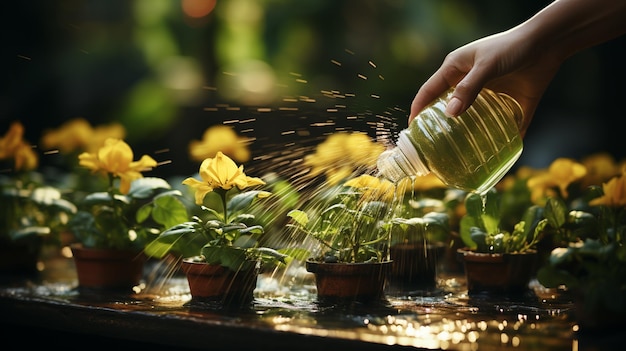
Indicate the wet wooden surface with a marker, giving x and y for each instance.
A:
(284, 315)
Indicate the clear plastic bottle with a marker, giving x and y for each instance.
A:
(472, 151)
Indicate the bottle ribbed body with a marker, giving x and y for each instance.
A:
(471, 152)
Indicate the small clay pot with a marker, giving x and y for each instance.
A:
(213, 283)
(503, 273)
(414, 265)
(108, 269)
(338, 282)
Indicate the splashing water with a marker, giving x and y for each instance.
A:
(282, 135)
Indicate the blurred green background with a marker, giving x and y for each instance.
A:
(282, 72)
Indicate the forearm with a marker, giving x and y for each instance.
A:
(566, 27)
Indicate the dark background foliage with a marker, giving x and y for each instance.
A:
(282, 72)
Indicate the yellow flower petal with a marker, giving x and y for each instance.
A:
(614, 193)
(372, 188)
(13, 146)
(116, 158)
(561, 173)
(343, 154)
(11, 140)
(219, 138)
(220, 172)
(25, 158)
(200, 188)
(263, 194)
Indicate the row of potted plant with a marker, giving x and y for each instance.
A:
(568, 218)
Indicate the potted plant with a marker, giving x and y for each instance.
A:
(220, 246)
(351, 261)
(590, 269)
(32, 213)
(418, 196)
(416, 248)
(113, 227)
(498, 260)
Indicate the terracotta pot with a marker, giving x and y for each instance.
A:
(214, 283)
(498, 273)
(20, 258)
(362, 282)
(414, 265)
(108, 269)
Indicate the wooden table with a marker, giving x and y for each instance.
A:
(284, 316)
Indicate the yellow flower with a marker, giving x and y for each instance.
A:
(13, 146)
(116, 158)
(342, 154)
(78, 135)
(614, 193)
(522, 173)
(101, 133)
(220, 172)
(374, 189)
(561, 173)
(600, 168)
(220, 138)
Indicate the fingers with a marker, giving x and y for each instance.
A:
(426, 94)
(463, 95)
(437, 84)
(467, 85)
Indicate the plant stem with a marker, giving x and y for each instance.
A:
(222, 193)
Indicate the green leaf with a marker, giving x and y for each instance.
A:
(143, 213)
(299, 217)
(555, 212)
(474, 205)
(491, 224)
(492, 203)
(583, 224)
(479, 238)
(168, 211)
(229, 257)
(30, 231)
(255, 229)
(552, 277)
(213, 212)
(104, 198)
(143, 188)
(288, 195)
(157, 249)
(185, 239)
(465, 225)
(267, 254)
(245, 241)
(241, 201)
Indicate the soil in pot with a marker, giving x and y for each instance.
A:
(507, 273)
(339, 283)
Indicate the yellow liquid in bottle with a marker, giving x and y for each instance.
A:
(473, 151)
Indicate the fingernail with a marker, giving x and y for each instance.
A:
(454, 107)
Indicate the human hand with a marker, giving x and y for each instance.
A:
(507, 62)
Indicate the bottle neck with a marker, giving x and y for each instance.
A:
(402, 161)
(415, 163)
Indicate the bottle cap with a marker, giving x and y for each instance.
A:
(409, 150)
(402, 161)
